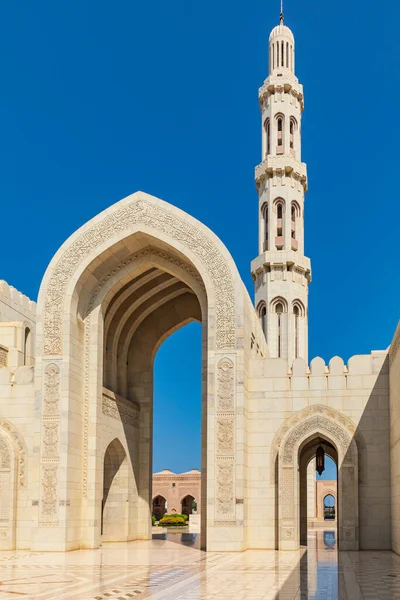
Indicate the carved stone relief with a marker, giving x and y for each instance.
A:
(119, 411)
(225, 435)
(50, 445)
(51, 391)
(50, 439)
(317, 423)
(225, 442)
(19, 444)
(3, 356)
(5, 459)
(49, 489)
(225, 496)
(225, 390)
(122, 220)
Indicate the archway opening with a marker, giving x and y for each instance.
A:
(115, 501)
(159, 507)
(318, 459)
(137, 309)
(187, 505)
(329, 508)
(177, 452)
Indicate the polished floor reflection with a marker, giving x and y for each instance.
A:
(172, 567)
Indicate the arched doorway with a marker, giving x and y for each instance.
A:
(159, 507)
(187, 505)
(115, 501)
(314, 427)
(329, 508)
(111, 295)
(307, 459)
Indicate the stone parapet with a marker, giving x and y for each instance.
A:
(12, 301)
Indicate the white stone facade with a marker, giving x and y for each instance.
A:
(76, 376)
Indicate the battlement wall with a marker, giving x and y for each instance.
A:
(15, 306)
(361, 371)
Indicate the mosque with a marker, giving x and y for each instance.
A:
(76, 374)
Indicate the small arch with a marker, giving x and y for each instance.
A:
(280, 129)
(298, 308)
(264, 216)
(329, 506)
(27, 345)
(295, 209)
(187, 504)
(274, 306)
(329, 425)
(267, 127)
(279, 306)
(262, 313)
(115, 492)
(159, 507)
(293, 133)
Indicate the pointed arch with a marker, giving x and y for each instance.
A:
(318, 422)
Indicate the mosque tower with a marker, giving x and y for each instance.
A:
(281, 272)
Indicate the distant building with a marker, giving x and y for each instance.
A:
(176, 492)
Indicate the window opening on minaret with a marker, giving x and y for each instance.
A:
(279, 311)
(296, 331)
(277, 54)
(280, 135)
(267, 126)
(265, 215)
(263, 319)
(282, 54)
(293, 222)
(291, 134)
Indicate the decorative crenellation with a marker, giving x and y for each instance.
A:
(17, 301)
(363, 364)
(120, 410)
(122, 220)
(50, 446)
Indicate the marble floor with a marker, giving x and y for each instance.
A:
(171, 567)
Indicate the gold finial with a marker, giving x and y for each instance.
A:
(281, 15)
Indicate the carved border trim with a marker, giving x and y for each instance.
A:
(50, 446)
(225, 451)
(158, 218)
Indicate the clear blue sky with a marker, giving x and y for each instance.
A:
(100, 99)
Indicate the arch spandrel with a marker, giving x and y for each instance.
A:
(141, 212)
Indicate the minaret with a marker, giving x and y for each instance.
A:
(281, 272)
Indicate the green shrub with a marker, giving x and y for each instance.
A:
(172, 521)
(153, 520)
(177, 515)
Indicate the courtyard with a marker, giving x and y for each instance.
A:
(172, 567)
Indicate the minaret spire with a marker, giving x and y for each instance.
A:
(282, 272)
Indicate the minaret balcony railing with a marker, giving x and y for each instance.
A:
(274, 164)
